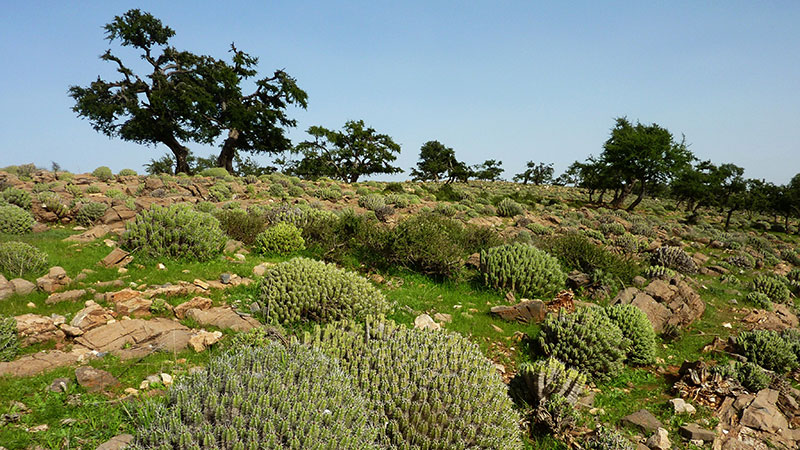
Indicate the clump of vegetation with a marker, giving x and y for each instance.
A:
(607, 439)
(742, 260)
(53, 203)
(577, 252)
(220, 192)
(239, 224)
(372, 202)
(9, 346)
(329, 193)
(215, 172)
(103, 173)
(768, 349)
(277, 190)
(674, 258)
(305, 289)
(18, 259)
(267, 397)
(461, 404)
(751, 376)
(523, 269)
(772, 288)
(89, 212)
(587, 340)
(509, 208)
(759, 300)
(659, 272)
(612, 228)
(177, 231)
(429, 243)
(17, 197)
(637, 329)
(281, 239)
(127, 173)
(551, 390)
(15, 220)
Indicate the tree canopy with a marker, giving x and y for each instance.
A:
(537, 174)
(437, 162)
(489, 170)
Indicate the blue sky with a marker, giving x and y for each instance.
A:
(513, 81)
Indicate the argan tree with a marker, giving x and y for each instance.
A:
(489, 170)
(437, 163)
(537, 174)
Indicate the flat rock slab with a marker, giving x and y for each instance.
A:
(37, 363)
(33, 329)
(763, 413)
(222, 317)
(117, 442)
(116, 258)
(89, 235)
(693, 432)
(152, 335)
(65, 296)
(644, 420)
(526, 311)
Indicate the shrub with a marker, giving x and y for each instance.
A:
(445, 209)
(371, 202)
(612, 228)
(328, 193)
(587, 340)
(607, 439)
(268, 397)
(17, 197)
(539, 229)
(637, 329)
(767, 349)
(92, 189)
(742, 260)
(305, 289)
(74, 191)
(15, 220)
(18, 259)
(429, 243)
(240, 225)
(281, 239)
(215, 172)
(759, 300)
(394, 187)
(509, 208)
(295, 191)
(177, 231)
(103, 173)
(462, 403)
(523, 269)
(577, 252)
(674, 258)
(277, 190)
(127, 173)
(642, 229)
(89, 212)
(751, 376)
(53, 203)
(659, 272)
(8, 339)
(220, 192)
(772, 288)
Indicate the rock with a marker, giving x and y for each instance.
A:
(779, 319)
(763, 413)
(204, 339)
(474, 260)
(680, 406)
(201, 303)
(59, 385)
(6, 288)
(92, 316)
(65, 296)
(94, 380)
(644, 420)
(37, 363)
(261, 269)
(118, 442)
(222, 317)
(137, 306)
(665, 303)
(225, 278)
(639, 281)
(33, 329)
(110, 283)
(232, 246)
(117, 258)
(70, 331)
(166, 379)
(116, 216)
(700, 258)
(441, 317)
(659, 440)
(55, 279)
(161, 266)
(201, 284)
(96, 232)
(22, 287)
(136, 337)
(577, 279)
(425, 322)
(693, 432)
(526, 311)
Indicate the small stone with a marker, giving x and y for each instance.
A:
(38, 428)
(204, 339)
(109, 243)
(496, 328)
(186, 271)
(59, 385)
(68, 421)
(65, 296)
(131, 391)
(442, 317)
(239, 256)
(659, 440)
(680, 406)
(225, 278)
(22, 287)
(122, 270)
(425, 322)
(94, 379)
(161, 266)
(201, 284)
(166, 379)
(31, 305)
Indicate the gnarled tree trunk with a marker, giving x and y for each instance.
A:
(228, 152)
(181, 154)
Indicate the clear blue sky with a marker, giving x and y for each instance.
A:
(514, 81)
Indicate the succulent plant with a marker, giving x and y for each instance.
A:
(305, 289)
(9, 346)
(659, 272)
(546, 378)
(768, 349)
(177, 231)
(523, 269)
(751, 376)
(637, 329)
(372, 202)
(267, 397)
(89, 212)
(15, 220)
(587, 340)
(18, 259)
(215, 172)
(509, 208)
(53, 203)
(759, 300)
(17, 197)
(103, 173)
(281, 239)
(435, 388)
(741, 260)
(612, 228)
(772, 288)
(607, 439)
(674, 258)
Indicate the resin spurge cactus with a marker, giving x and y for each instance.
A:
(15, 220)
(637, 329)
(522, 268)
(9, 346)
(268, 397)
(305, 289)
(18, 259)
(436, 390)
(551, 390)
(674, 258)
(772, 288)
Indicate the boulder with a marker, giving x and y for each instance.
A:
(37, 363)
(202, 303)
(665, 303)
(6, 288)
(643, 420)
(223, 317)
(763, 413)
(779, 319)
(137, 337)
(22, 287)
(116, 216)
(33, 329)
(577, 279)
(659, 440)
(136, 307)
(693, 432)
(94, 380)
(65, 296)
(92, 316)
(116, 258)
(680, 406)
(118, 442)
(55, 280)
(526, 311)
(425, 322)
(96, 232)
(203, 339)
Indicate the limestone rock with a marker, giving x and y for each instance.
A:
(65, 296)
(659, 440)
(136, 307)
(92, 316)
(22, 287)
(644, 420)
(201, 303)
(96, 232)
(55, 280)
(59, 385)
(142, 336)
(222, 317)
(33, 329)
(442, 317)
(763, 413)
(94, 380)
(116, 258)
(36, 363)
(680, 406)
(693, 432)
(526, 311)
(670, 302)
(6, 288)
(203, 339)
(425, 322)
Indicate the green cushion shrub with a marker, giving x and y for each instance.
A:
(215, 172)
(768, 349)
(268, 397)
(329, 193)
(92, 189)
(429, 243)
(659, 272)
(637, 329)
(9, 346)
(17, 197)
(372, 202)
(587, 340)
(177, 231)
(240, 225)
(751, 376)
(127, 173)
(295, 191)
(607, 439)
(89, 212)
(15, 220)
(509, 208)
(281, 239)
(220, 192)
(437, 389)
(545, 378)
(578, 252)
(759, 300)
(277, 190)
(18, 259)
(53, 203)
(674, 258)
(772, 288)
(305, 289)
(103, 173)
(523, 269)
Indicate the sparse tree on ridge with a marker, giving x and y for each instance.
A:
(489, 170)
(537, 174)
(438, 162)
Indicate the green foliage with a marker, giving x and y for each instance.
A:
(587, 340)
(637, 329)
(437, 163)
(437, 390)
(445, 209)
(674, 258)
(329, 193)
(267, 397)
(612, 228)
(240, 225)
(214, 172)
(18, 259)
(372, 202)
(92, 189)
(543, 379)
(523, 269)
(607, 439)
(220, 192)
(539, 229)
(772, 287)
(103, 173)
(295, 191)
(127, 173)
(759, 300)
(768, 349)
(537, 174)
(281, 239)
(89, 212)
(9, 347)
(509, 208)
(177, 231)
(15, 220)
(53, 203)
(577, 252)
(742, 260)
(277, 190)
(305, 289)
(17, 197)
(430, 244)
(751, 376)
(74, 190)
